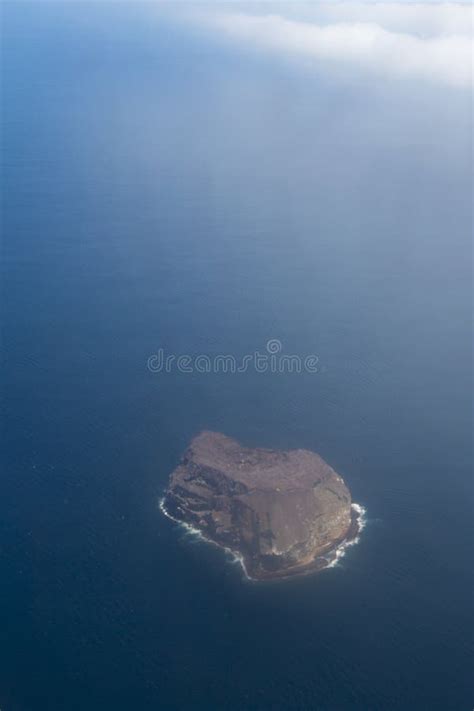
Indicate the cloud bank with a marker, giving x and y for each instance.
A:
(422, 42)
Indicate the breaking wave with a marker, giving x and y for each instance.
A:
(198, 535)
(335, 556)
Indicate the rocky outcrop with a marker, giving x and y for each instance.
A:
(283, 512)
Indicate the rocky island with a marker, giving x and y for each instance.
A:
(282, 512)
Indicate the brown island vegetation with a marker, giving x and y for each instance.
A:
(282, 512)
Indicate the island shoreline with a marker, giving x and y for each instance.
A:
(324, 560)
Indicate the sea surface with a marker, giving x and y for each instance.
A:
(163, 190)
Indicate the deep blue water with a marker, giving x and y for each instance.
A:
(164, 190)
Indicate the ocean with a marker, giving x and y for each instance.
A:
(162, 190)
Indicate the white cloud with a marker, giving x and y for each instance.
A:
(425, 19)
(428, 42)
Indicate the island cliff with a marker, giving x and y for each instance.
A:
(282, 512)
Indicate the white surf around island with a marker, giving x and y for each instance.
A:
(199, 536)
(333, 558)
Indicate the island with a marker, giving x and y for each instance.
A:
(282, 513)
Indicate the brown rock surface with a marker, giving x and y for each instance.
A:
(281, 511)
